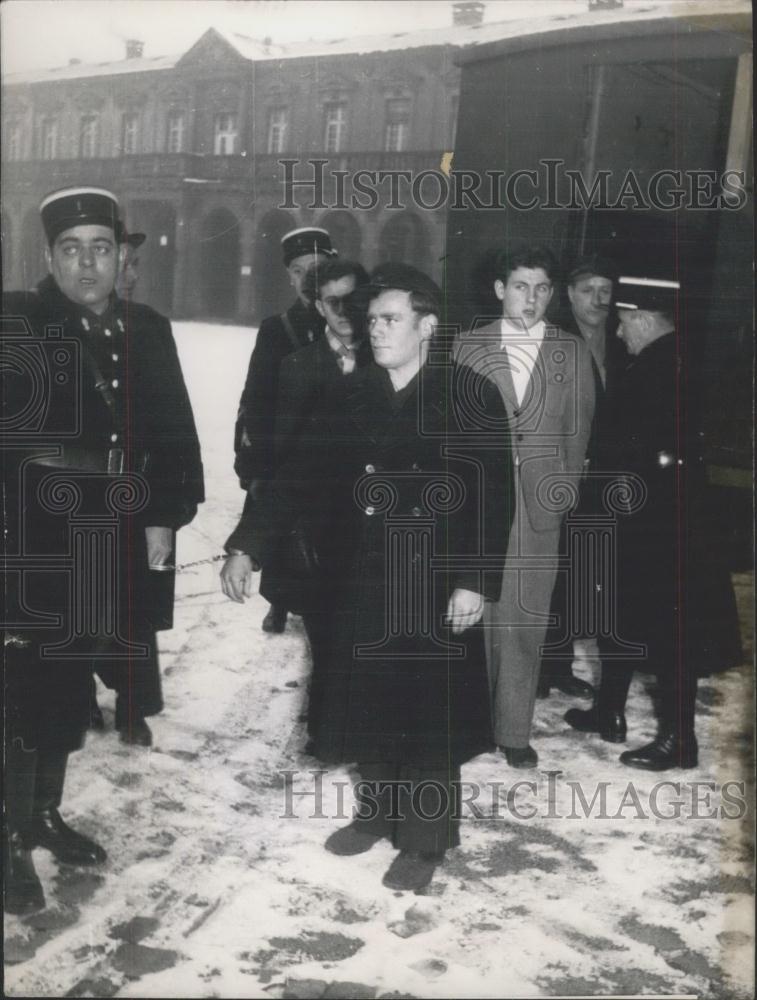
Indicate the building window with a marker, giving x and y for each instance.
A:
(335, 127)
(176, 123)
(49, 138)
(15, 140)
(89, 134)
(225, 134)
(397, 127)
(129, 133)
(278, 126)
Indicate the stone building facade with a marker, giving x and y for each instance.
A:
(193, 146)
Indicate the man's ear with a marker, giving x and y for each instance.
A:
(429, 324)
(48, 258)
(571, 294)
(121, 256)
(319, 308)
(499, 289)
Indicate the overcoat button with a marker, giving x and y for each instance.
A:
(416, 467)
(114, 438)
(370, 468)
(370, 510)
(416, 512)
(114, 383)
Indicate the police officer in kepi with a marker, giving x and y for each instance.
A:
(278, 336)
(101, 465)
(673, 594)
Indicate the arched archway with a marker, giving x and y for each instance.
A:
(219, 268)
(345, 233)
(404, 239)
(33, 266)
(273, 293)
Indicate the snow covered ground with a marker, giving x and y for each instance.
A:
(217, 884)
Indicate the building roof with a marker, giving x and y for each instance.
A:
(465, 38)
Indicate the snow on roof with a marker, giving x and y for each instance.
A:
(79, 70)
(454, 36)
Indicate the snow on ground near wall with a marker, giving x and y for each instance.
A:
(217, 883)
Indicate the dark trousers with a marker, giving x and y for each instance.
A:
(34, 782)
(318, 628)
(412, 806)
(136, 680)
(677, 689)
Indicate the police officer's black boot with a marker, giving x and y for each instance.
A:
(676, 743)
(47, 828)
(22, 888)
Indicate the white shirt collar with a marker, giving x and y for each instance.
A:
(534, 333)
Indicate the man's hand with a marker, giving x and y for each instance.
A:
(465, 608)
(159, 547)
(236, 577)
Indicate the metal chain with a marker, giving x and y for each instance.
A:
(201, 562)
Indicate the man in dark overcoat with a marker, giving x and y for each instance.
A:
(307, 376)
(278, 336)
(408, 481)
(673, 598)
(101, 465)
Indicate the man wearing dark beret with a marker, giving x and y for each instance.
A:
(407, 486)
(101, 465)
(301, 324)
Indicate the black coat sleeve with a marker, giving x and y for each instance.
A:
(254, 430)
(167, 425)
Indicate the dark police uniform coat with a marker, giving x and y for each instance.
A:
(254, 442)
(673, 591)
(115, 448)
(404, 498)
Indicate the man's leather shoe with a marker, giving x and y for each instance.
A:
(411, 870)
(23, 890)
(136, 732)
(573, 686)
(663, 753)
(611, 726)
(276, 619)
(49, 831)
(520, 757)
(351, 840)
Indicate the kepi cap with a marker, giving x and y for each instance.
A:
(406, 278)
(307, 240)
(646, 294)
(78, 206)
